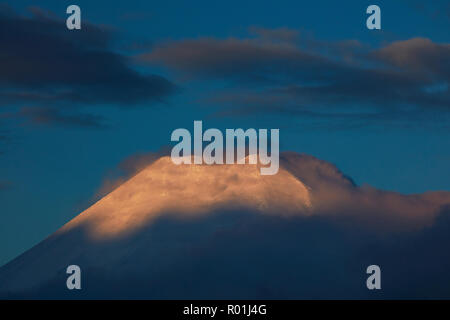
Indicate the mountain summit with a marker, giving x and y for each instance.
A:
(190, 190)
(222, 231)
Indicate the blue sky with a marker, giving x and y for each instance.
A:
(51, 170)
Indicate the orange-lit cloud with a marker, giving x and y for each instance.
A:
(305, 186)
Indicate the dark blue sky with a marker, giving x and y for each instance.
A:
(52, 165)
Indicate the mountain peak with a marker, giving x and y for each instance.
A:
(191, 189)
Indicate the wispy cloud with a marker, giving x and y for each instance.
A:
(54, 116)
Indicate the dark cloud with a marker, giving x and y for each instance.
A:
(53, 116)
(42, 62)
(279, 70)
(256, 59)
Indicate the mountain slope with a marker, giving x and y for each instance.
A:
(225, 231)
